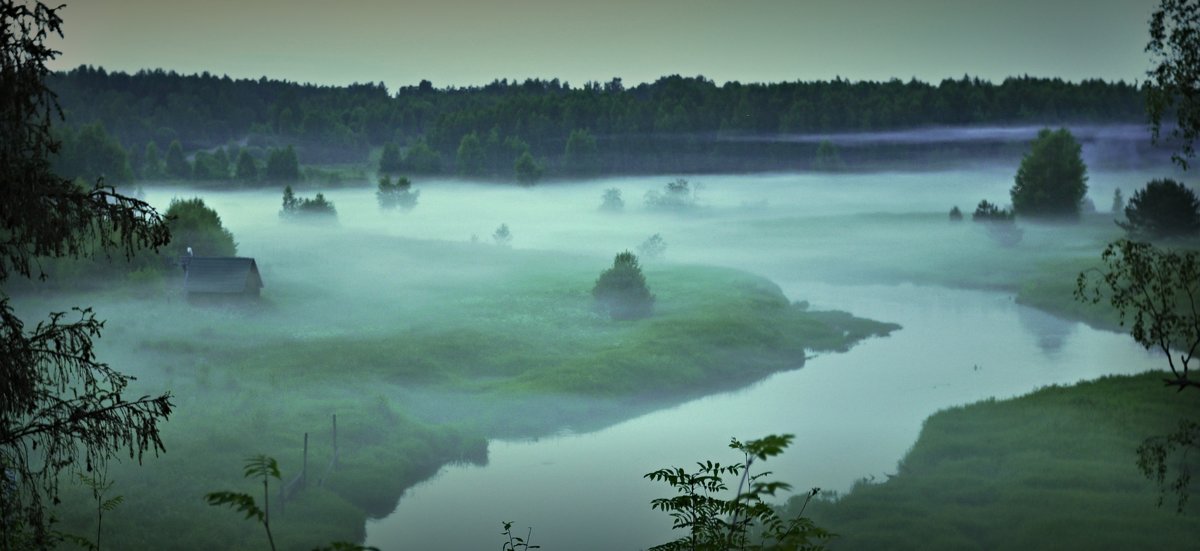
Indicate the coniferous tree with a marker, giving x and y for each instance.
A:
(282, 165)
(390, 161)
(527, 170)
(621, 291)
(247, 168)
(422, 159)
(470, 158)
(580, 152)
(152, 163)
(1164, 208)
(177, 165)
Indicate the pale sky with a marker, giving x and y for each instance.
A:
(472, 42)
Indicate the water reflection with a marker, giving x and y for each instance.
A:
(1049, 332)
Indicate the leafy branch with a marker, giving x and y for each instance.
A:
(257, 466)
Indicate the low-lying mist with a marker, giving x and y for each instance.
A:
(425, 335)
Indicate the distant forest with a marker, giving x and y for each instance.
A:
(673, 125)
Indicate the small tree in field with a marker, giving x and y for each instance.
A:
(989, 212)
(677, 195)
(1165, 208)
(1052, 179)
(396, 194)
(502, 236)
(611, 201)
(653, 247)
(621, 291)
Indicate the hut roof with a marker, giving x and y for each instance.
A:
(222, 275)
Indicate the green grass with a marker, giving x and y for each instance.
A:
(420, 371)
(1052, 469)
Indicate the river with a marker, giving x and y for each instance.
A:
(854, 416)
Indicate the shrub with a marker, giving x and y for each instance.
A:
(1000, 223)
(1164, 208)
(621, 291)
(676, 196)
(295, 207)
(317, 205)
(653, 247)
(955, 214)
(989, 212)
(502, 236)
(611, 201)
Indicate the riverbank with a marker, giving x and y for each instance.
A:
(1056, 465)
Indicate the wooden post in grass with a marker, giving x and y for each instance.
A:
(304, 469)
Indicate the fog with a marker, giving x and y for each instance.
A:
(876, 244)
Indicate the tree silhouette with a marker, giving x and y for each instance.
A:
(1052, 179)
(621, 291)
(61, 409)
(1164, 208)
(1174, 84)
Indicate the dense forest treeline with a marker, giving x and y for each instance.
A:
(670, 125)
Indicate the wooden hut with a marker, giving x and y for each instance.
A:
(218, 276)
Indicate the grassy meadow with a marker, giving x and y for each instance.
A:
(470, 342)
(425, 348)
(1057, 465)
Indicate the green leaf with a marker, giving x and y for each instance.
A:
(242, 503)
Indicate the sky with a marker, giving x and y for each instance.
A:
(472, 42)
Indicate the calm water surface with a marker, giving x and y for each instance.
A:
(854, 415)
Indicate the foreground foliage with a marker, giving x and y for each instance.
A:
(714, 523)
(1156, 290)
(259, 466)
(1174, 84)
(61, 409)
(1160, 290)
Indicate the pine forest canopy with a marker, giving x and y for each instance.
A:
(337, 124)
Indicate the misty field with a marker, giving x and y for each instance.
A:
(427, 339)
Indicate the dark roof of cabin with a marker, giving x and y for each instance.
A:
(222, 275)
